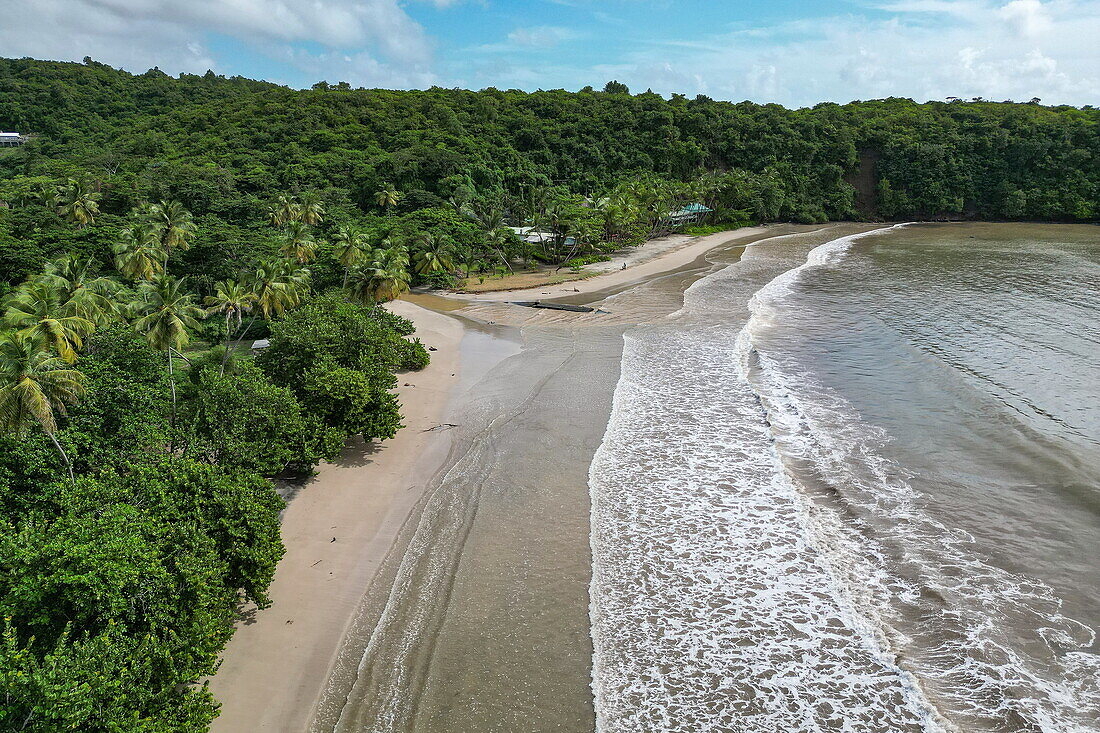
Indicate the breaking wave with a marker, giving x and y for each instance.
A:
(759, 566)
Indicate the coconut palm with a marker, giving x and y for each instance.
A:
(310, 208)
(388, 198)
(283, 211)
(489, 217)
(351, 248)
(47, 195)
(385, 278)
(39, 310)
(233, 300)
(502, 241)
(278, 285)
(434, 254)
(77, 203)
(35, 386)
(91, 296)
(166, 312)
(138, 252)
(298, 243)
(174, 225)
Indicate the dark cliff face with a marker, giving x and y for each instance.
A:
(864, 179)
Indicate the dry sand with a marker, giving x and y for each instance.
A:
(277, 662)
(647, 260)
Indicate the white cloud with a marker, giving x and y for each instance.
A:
(925, 49)
(543, 36)
(1029, 17)
(138, 34)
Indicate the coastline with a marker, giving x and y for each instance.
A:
(653, 258)
(283, 667)
(276, 664)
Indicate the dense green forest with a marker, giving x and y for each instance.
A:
(589, 163)
(152, 227)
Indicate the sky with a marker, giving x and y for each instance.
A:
(794, 53)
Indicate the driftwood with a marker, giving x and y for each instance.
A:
(553, 306)
(444, 426)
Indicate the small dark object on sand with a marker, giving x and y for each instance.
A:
(553, 306)
(432, 348)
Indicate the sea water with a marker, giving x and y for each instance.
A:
(855, 486)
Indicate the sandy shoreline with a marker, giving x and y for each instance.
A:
(277, 665)
(277, 662)
(645, 261)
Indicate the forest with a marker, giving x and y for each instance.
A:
(152, 227)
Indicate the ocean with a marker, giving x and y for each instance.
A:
(854, 485)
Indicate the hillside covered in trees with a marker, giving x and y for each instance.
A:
(226, 147)
(152, 226)
(220, 141)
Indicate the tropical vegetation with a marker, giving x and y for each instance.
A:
(154, 227)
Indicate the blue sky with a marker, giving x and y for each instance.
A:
(795, 53)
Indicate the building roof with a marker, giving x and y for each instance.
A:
(10, 134)
(261, 344)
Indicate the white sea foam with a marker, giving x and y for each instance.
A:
(726, 598)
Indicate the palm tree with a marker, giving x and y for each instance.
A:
(48, 195)
(35, 385)
(351, 248)
(39, 310)
(434, 254)
(91, 296)
(174, 225)
(388, 198)
(386, 278)
(278, 285)
(166, 311)
(489, 217)
(298, 243)
(77, 203)
(310, 208)
(138, 253)
(233, 300)
(283, 211)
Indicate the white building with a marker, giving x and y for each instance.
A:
(534, 236)
(11, 139)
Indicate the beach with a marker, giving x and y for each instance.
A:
(439, 580)
(730, 497)
(337, 529)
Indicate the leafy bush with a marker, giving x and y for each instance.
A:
(415, 356)
(438, 280)
(338, 358)
(129, 580)
(578, 262)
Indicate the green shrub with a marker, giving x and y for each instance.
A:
(415, 356)
(578, 262)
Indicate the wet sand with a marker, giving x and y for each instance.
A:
(458, 598)
(485, 625)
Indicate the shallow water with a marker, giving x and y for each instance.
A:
(479, 619)
(855, 485)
